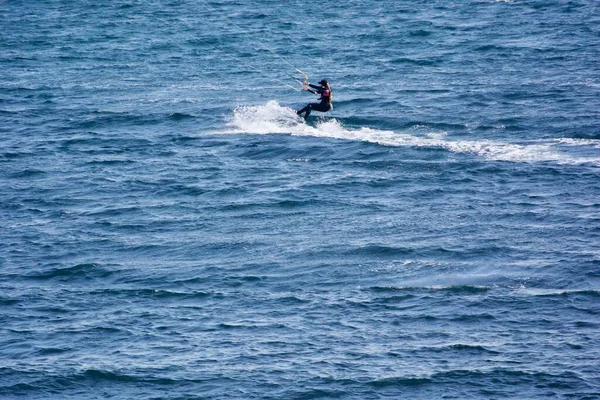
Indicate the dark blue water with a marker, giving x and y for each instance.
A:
(170, 230)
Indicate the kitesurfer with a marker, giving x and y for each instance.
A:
(324, 90)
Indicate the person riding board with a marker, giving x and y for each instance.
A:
(325, 105)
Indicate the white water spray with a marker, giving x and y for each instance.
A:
(271, 118)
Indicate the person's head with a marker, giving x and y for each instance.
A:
(324, 83)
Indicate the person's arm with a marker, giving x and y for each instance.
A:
(319, 89)
(306, 85)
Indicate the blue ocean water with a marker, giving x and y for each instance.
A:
(170, 229)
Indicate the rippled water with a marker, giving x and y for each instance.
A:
(170, 229)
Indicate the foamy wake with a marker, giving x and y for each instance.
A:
(271, 118)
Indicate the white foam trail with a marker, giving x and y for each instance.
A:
(580, 142)
(271, 118)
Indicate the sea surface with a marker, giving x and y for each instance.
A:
(169, 229)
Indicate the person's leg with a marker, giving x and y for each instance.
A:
(320, 107)
(306, 110)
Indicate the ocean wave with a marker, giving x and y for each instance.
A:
(561, 292)
(68, 273)
(181, 116)
(375, 250)
(455, 289)
(163, 294)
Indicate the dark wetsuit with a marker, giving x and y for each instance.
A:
(323, 106)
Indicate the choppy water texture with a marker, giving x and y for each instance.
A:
(171, 230)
